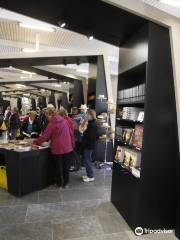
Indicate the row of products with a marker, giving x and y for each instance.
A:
(129, 159)
(131, 113)
(130, 136)
(135, 92)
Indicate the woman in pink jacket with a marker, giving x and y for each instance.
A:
(61, 140)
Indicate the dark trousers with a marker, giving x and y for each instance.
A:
(62, 164)
(87, 157)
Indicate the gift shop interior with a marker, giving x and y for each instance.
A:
(89, 145)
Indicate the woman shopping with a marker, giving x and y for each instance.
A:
(60, 136)
(90, 137)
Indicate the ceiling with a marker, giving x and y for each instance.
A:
(49, 70)
(175, 11)
(81, 23)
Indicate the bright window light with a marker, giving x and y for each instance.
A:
(41, 28)
(174, 3)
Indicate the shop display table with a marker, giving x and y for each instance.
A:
(27, 171)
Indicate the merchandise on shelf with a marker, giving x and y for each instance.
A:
(135, 94)
(131, 113)
(130, 159)
(138, 136)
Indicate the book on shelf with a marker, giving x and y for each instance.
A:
(138, 136)
(133, 95)
(128, 158)
(131, 113)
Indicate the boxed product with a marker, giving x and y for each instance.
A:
(138, 136)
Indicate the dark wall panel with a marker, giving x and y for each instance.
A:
(160, 152)
(78, 95)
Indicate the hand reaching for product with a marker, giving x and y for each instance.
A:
(35, 147)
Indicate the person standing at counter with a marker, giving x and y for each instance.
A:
(61, 140)
(90, 137)
(14, 124)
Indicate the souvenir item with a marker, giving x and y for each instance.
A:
(138, 136)
(127, 156)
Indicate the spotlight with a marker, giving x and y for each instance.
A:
(90, 37)
(62, 24)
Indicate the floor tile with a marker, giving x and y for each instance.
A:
(113, 223)
(77, 228)
(52, 196)
(27, 199)
(97, 208)
(108, 181)
(160, 236)
(12, 214)
(38, 231)
(6, 199)
(83, 194)
(116, 236)
(77, 183)
(50, 212)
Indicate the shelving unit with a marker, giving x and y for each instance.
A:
(148, 201)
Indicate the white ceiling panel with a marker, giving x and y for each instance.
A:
(175, 11)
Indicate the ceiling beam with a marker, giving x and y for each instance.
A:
(47, 87)
(41, 61)
(48, 74)
(64, 72)
(25, 82)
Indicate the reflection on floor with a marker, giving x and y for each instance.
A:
(81, 212)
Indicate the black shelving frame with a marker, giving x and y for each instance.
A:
(151, 200)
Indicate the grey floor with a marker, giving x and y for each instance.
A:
(81, 212)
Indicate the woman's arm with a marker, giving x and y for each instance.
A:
(45, 136)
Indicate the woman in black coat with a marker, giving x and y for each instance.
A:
(90, 137)
(14, 124)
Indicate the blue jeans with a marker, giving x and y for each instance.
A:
(87, 155)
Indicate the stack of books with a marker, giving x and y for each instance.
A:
(132, 95)
(131, 113)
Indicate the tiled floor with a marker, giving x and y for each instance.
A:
(81, 212)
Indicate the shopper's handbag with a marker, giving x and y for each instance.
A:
(3, 178)
(3, 126)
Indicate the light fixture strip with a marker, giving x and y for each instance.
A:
(40, 28)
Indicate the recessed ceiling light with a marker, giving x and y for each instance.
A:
(90, 37)
(41, 28)
(174, 3)
(63, 24)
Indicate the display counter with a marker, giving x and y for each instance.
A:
(27, 171)
(30, 170)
